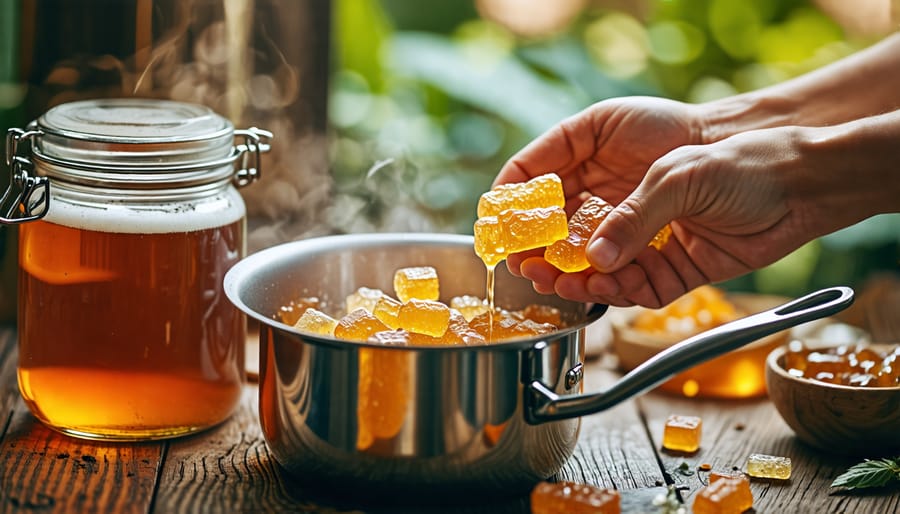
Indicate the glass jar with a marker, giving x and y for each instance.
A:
(133, 218)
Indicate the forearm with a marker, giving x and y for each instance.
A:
(864, 84)
(853, 171)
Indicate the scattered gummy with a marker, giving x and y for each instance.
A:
(572, 498)
(768, 466)
(682, 433)
(724, 495)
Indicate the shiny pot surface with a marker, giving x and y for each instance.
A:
(433, 420)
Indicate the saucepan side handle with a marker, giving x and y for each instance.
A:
(543, 404)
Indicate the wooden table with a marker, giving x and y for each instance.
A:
(229, 469)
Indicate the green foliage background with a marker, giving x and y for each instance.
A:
(429, 99)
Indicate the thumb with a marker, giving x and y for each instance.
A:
(631, 225)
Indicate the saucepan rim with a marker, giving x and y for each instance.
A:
(237, 281)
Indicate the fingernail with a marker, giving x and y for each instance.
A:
(603, 253)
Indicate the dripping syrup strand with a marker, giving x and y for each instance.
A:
(489, 294)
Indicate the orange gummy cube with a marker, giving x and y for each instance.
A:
(542, 314)
(417, 282)
(359, 325)
(290, 313)
(725, 494)
(661, 237)
(572, 498)
(459, 332)
(541, 191)
(507, 326)
(424, 317)
(386, 310)
(317, 322)
(568, 254)
(397, 337)
(682, 433)
(469, 306)
(362, 298)
(768, 466)
(518, 230)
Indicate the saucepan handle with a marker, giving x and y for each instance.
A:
(543, 404)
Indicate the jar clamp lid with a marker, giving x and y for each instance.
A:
(133, 143)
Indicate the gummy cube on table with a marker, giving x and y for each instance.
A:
(424, 317)
(724, 495)
(419, 282)
(541, 191)
(317, 322)
(768, 466)
(572, 498)
(469, 306)
(386, 310)
(682, 433)
(359, 325)
(568, 254)
(362, 298)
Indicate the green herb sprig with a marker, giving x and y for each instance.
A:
(869, 473)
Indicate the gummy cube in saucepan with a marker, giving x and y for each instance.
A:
(419, 282)
(386, 310)
(424, 317)
(724, 495)
(768, 466)
(682, 433)
(572, 498)
(469, 306)
(541, 191)
(359, 325)
(459, 332)
(362, 298)
(317, 322)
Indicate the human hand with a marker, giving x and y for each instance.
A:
(732, 213)
(604, 150)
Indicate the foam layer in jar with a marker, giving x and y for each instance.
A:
(186, 216)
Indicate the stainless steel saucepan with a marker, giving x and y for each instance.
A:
(439, 420)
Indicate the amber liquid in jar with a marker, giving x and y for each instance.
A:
(124, 329)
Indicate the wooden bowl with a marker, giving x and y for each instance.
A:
(859, 421)
(737, 374)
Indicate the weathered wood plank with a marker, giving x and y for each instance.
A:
(45, 471)
(613, 449)
(225, 469)
(732, 430)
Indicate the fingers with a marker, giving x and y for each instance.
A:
(560, 149)
(626, 231)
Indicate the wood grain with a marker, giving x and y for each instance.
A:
(42, 470)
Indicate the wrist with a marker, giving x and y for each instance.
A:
(749, 111)
(850, 173)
